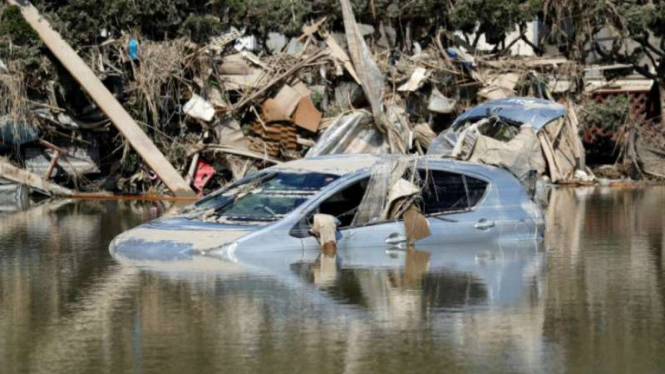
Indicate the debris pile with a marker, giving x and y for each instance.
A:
(187, 115)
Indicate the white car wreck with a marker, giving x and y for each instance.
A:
(374, 202)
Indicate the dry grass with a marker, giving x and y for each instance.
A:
(13, 97)
(156, 88)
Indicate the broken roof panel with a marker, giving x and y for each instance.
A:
(537, 112)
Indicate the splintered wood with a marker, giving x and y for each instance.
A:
(20, 176)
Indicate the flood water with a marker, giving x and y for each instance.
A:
(590, 299)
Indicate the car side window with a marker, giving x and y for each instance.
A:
(343, 205)
(476, 188)
(446, 192)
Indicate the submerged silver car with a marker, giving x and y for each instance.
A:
(273, 210)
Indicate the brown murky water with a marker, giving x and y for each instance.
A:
(591, 299)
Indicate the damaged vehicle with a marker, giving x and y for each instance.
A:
(373, 202)
(529, 137)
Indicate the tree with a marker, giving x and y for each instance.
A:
(638, 27)
(644, 24)
(494, 19)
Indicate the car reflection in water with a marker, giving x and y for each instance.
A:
(388, 281)
(420, 280)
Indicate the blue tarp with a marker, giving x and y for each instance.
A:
(16, 133)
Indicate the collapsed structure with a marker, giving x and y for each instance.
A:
(529, 137)
(220, 110)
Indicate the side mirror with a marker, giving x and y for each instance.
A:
(301, 229)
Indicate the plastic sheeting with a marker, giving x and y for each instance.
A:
(325, 228)
(401, 190)
(200, 108)
(563, 149)
(352, 133)
(16, 133)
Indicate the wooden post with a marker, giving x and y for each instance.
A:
(20, 176)
(105, 100)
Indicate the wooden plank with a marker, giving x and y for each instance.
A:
(104, 99)
(282, 106)
(339, 54)
(550, 155)
(20, 176)
(580, 153)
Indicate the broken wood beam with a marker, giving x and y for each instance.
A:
(284, 75)
(20, 176)
(104, 99)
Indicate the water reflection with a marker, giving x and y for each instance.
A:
(57, 281)
(429, 278)
(592, 301)
(605, 278)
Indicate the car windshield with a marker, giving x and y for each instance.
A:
(268, 197)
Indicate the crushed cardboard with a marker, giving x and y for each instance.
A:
(307, 116)
(416, 226)
(282, 106)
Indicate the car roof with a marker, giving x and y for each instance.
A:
(537, 112)
(344, 164)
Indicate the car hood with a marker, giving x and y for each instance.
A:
(175, 239)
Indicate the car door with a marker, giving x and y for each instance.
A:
(342, 203)
(458, 207)
(384, 234)
(366, 245)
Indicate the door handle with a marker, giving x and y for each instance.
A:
(395, 239)
(484, 224)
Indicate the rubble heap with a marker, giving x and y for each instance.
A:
(218, 108)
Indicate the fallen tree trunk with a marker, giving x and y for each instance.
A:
(105, 100)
